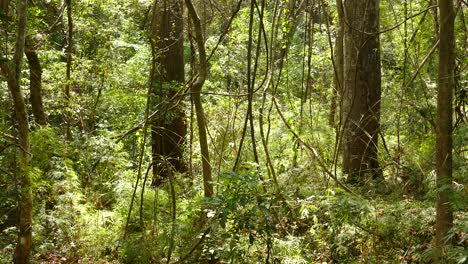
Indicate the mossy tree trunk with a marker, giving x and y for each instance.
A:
(12, 70)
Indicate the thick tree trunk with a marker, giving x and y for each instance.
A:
(446, 84)
(35, 86)
(169, 129)
(362, 90)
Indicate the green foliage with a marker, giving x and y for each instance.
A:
(240, 216)
(83, 187)
(101, 163)
(374, 231)
(459, 234)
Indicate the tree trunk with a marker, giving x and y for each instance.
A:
(169, 128)
(435, 18)
(35, 85)
(338, 65)
(68, 69)
(4, 7)
(362, 90)
(196, 90)
(446, 84)
(13, 72)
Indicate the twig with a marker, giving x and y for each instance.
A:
(415, 74)
(394, 26)
(225, 30)
(195, 246)
(8, 136)
(312, 150)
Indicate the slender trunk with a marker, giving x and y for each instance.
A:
(23, 247)
(24, 243)
(251, 78)
(446, 84)
(69, 65)
(196, 90)
(249, 119)
(435, 17)
(35, 86)
(338, 65)
(361, 97)
(4, 6)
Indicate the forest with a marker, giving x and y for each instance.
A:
(233, 131)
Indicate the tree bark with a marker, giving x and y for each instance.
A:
(68, 69)
(435, 18)
(169, 129)
(362, 90)
(4, 7)
(338, 65)
(446, 84)
(196, 90)
(13, 73)
(35, 85)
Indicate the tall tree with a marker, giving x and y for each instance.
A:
(168, 129)
(362, 89)
(12, 70)
(35, 83)
(446, 84)
(338, 64)
(69, 65)
(196, 88)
